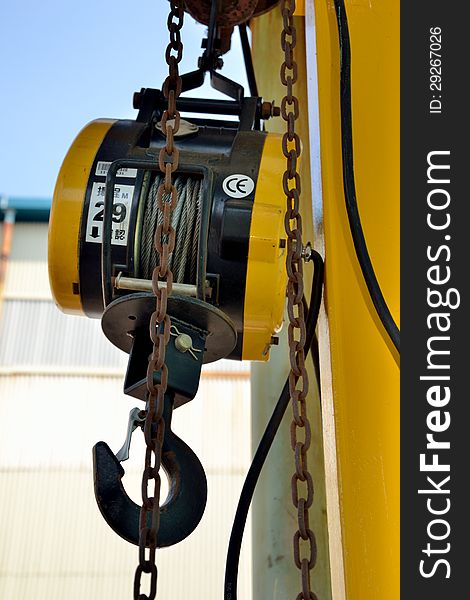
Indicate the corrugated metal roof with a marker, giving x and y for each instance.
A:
(29, 242)
(35, 332)
(27, 279)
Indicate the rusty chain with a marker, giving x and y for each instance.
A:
(154, 426)
(164, 240)
(305, 547)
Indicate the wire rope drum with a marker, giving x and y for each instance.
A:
(186, 221)
(229, 221)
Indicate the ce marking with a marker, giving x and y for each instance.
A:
(238, 185)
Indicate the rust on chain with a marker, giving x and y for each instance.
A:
(164, 241)
(304, 543)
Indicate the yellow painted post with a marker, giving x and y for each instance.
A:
(364, 404)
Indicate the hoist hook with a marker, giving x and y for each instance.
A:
(199, 332)
(187, 495)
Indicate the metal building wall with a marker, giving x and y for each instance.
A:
(60, 392)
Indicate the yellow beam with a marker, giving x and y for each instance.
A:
(365, 375)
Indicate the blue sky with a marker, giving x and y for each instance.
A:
(64, 63)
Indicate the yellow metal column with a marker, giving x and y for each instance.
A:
(364, 394)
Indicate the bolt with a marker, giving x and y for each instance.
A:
(307, 252)
(268, 110)
(183, 342)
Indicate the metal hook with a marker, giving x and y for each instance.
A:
(186, 500)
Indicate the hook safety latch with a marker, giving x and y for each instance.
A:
(136, 419)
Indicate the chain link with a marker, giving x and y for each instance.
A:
(305, 547)
(305, 554)
(154, 425)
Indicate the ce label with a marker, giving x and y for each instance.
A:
(238, 185)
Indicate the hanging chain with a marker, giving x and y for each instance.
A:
(154, 426)
(305, 547)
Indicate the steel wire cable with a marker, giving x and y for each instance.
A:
(185, 220)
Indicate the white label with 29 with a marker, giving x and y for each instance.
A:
(120, 218)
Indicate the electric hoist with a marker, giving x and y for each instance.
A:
(230, 241)
(172, 229)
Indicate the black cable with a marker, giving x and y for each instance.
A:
(250, 71)
(314, 353)
(349, 182)
(238, 527)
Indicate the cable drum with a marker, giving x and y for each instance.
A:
(185, 220)
(235, 243)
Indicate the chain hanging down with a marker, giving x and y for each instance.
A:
(305, 548)
(154, 426)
